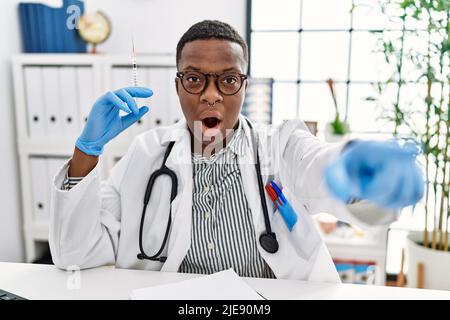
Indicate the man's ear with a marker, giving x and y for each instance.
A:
(176, 85)
(246, 85)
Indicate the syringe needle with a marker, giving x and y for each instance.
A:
(134, 64)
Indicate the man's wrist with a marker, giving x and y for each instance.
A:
(81, 163)
(90, 150)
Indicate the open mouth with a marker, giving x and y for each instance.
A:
(211, 122)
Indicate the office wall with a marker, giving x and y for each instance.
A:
(156, 25)
(11, 244)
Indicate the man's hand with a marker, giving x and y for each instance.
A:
(382, 172)
(104, 122)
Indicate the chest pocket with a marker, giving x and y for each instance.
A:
(230, 176)
(304, 237)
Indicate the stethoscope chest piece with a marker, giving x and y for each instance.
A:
(269, 242)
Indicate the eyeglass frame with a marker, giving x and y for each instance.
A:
(216, 76)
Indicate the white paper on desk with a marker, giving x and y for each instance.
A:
(218, 286)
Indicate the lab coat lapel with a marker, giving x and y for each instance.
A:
(250, 182)
(278, 262)
(179, 161)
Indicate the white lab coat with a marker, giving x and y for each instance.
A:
(97, 223)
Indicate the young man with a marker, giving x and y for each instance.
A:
(217, 219)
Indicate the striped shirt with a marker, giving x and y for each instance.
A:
(222, 233)
(70, 182)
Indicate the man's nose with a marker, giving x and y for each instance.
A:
(211, 94)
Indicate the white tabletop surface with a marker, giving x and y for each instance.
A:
(35, 281)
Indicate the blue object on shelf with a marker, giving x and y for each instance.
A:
(59, 36)
(24, 26)
(44, 28)
(357, 272)
(35, 41)
(364, 274)
(46, 32)
(346, 272)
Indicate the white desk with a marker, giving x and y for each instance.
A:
(34, 281)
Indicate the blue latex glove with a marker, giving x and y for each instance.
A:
(104, 122)
(382, 172)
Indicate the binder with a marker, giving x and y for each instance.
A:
(25, 27)
(44, 28)
(46, 21)
(53, 167)
(85, 85)
(174, 112)
(52, 101)
(59, 25)
(158, 103)
(40, 193)
(40, 26)
(72, 41)
(121, 77)
(37, 125)
(69, 101)
(34, 28)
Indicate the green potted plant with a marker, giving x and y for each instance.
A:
(337, 129)
(426, 120)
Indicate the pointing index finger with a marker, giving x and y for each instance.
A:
(139, 92)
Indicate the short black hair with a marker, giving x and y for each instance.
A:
(211, 29)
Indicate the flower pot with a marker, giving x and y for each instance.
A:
(436, 263)
(330, 136)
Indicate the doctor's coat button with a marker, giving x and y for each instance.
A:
(210, 246)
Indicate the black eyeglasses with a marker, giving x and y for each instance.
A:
(228, 83)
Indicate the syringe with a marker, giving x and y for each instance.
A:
(134, 64)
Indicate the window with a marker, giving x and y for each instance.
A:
(302, 43)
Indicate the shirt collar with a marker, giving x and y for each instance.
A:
(237, 143)
(236, 146)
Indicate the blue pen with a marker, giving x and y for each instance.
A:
(277, 190)
(284, 207)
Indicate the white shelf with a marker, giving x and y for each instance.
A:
(360, 249)
(64, 147)
(56, 59)
(355, 251)
(46, 147)
(87, 59)
(356, 242)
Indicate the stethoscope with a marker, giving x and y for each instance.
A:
(267, 239)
